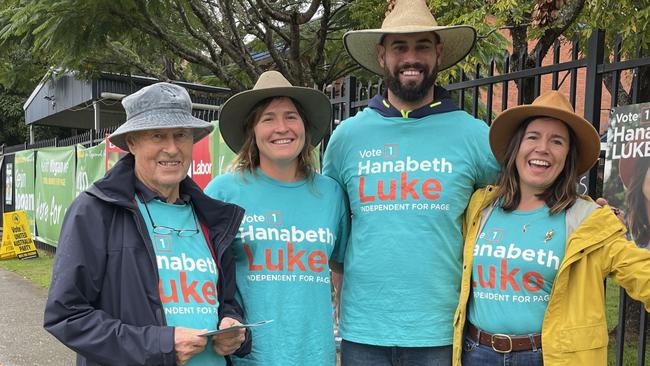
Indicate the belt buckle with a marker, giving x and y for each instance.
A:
(501, 336)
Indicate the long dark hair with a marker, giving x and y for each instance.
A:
(248, 157)
(560, 195)
(636, 204)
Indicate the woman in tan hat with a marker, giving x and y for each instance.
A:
(536, 254)
(296, 220)
(635, 175)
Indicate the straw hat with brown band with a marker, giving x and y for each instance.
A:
(551, 104)
(409, 16)
(273, 84)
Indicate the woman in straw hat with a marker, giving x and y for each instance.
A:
(536, 253)
(634, 173)
(296, 220)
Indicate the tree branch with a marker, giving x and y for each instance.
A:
(550, 35)
(321, 37)
(269, 25)
(251, 69)
(309, 13)
(222, 40)
(268, 10)
(201, 38)
(184, 51)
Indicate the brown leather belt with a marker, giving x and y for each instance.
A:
(504, 343)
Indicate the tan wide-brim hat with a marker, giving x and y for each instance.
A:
(409, 16)
(551, 104)
(315, 104)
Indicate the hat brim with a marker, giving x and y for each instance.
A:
(457, 42)
(235, 110)
(506, 124)
(162, 120)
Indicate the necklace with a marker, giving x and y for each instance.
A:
(548, 236)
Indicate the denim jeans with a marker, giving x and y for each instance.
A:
(475, 354)
(357, 354)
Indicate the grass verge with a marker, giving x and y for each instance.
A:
(37, 270)
(630, 349)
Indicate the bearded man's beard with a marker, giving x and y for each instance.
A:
(411, 91)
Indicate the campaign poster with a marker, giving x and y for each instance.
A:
(9, 183)
(55, 190)
(112, 154)
(90, 166)
(626, 167)
(222, 154)
(24, 185)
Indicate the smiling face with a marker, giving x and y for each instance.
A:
(542, 154)
(162, 158)
(410, 63)
(279, 134)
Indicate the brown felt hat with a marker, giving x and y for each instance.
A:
(550, 104)
(409, 16)
(273, 84)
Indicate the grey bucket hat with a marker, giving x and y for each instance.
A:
(159, 106)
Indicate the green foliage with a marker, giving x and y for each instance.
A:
(86, 36)
(194, 40)
(13, 130)
(630, 19)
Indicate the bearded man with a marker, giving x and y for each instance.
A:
(409, 164)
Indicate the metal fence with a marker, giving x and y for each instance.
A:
(475, 93)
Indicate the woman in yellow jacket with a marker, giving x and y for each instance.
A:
(536, 253)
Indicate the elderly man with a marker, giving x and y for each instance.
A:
(409, 163)
(143, 266)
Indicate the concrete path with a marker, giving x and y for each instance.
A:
(23, 341)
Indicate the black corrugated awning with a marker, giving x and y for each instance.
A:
(66, 101)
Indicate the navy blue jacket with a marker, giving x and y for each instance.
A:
(103, 301)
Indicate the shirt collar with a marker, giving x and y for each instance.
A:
(147, 194)
(441, 104)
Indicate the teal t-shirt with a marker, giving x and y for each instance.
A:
(516, 258)
(188, 274)
(288, 234)
(408, 181)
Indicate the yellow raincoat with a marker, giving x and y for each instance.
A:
(574, 331)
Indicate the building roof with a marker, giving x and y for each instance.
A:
(63, 100)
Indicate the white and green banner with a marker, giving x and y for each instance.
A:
(91, 166)
(222, 156)
(24, 173)
(55, 190)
